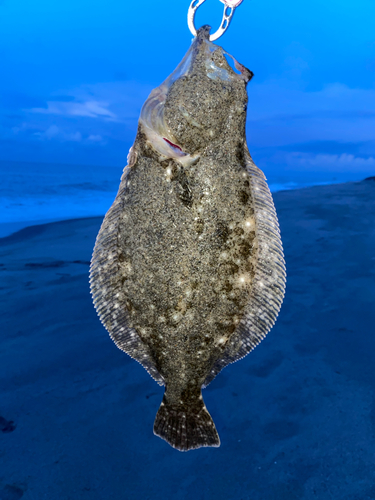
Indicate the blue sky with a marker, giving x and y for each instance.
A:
(74, 75)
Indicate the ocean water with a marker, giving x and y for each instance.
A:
(35, 193)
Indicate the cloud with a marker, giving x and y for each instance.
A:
(118, 101)
(279, 115)
(287, 127)
(76, 137)
(332, 147)
(92, 109)
(54, 132)
(95, 138)
(276, 99)
(332, 162)
(22, 127)
(51, 132)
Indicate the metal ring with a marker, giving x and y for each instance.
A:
(225, 22)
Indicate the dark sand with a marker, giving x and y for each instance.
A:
(296, 417)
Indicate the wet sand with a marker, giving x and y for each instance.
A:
(296, 417)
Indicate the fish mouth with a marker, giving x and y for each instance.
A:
(202, 53)
(156, 130)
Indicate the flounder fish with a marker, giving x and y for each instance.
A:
(188, 273)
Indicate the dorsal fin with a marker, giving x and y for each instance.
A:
(106, 289)
(268, 286)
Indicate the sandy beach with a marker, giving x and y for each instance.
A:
(296, 417)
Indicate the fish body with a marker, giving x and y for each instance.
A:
(187, 273)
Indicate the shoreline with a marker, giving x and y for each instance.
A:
(9, 228)
(21, 227)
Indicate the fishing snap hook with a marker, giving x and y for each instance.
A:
(229, 8)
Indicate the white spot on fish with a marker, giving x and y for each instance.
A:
(244, 279)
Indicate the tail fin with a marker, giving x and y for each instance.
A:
(185, 429)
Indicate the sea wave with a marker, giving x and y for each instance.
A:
(35, 193)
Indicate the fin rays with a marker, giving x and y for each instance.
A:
(185, 429)
(106, 291)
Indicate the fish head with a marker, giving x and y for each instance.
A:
(199, 102)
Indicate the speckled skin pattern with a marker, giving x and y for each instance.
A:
(179, 274)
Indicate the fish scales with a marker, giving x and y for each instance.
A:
(188, 273)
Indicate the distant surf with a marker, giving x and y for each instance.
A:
(36, 193)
